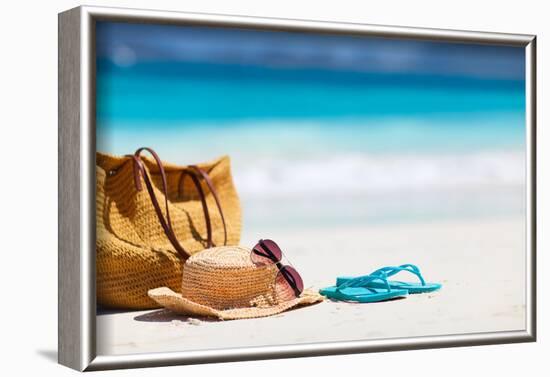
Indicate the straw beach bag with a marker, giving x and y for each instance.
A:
(151, 216)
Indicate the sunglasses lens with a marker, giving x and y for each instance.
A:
(288, 283)
(266, 252)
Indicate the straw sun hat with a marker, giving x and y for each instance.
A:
(223, 282)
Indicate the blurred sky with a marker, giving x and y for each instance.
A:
(126, 44)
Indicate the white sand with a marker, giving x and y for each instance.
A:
(481, 264)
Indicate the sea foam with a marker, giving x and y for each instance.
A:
(365, 174)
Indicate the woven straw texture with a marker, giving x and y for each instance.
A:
(223, 282)
(134, 254)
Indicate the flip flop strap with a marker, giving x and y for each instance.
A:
(195, 172)
(393, 270)
(363, 281)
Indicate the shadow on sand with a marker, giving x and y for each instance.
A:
(164, 315)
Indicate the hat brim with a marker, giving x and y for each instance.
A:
(175, 302)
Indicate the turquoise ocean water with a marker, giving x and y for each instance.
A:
(372, 146)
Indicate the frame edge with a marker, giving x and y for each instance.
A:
(69, 277)
(531, 231)
(118, 14)
(305, 350)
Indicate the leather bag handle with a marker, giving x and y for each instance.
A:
(204, 175)
(165, 222)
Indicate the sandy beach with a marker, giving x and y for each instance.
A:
(479, 262)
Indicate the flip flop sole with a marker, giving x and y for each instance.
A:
(363, 295)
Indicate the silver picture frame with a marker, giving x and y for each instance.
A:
(76, 264)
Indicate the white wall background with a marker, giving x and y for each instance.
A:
(28, 200)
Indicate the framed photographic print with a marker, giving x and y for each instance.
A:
(237, 188)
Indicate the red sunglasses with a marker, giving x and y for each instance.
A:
(288, 280)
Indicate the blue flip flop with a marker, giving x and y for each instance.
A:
(360, 290)
(411, 287)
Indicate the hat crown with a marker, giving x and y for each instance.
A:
(226, 278)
